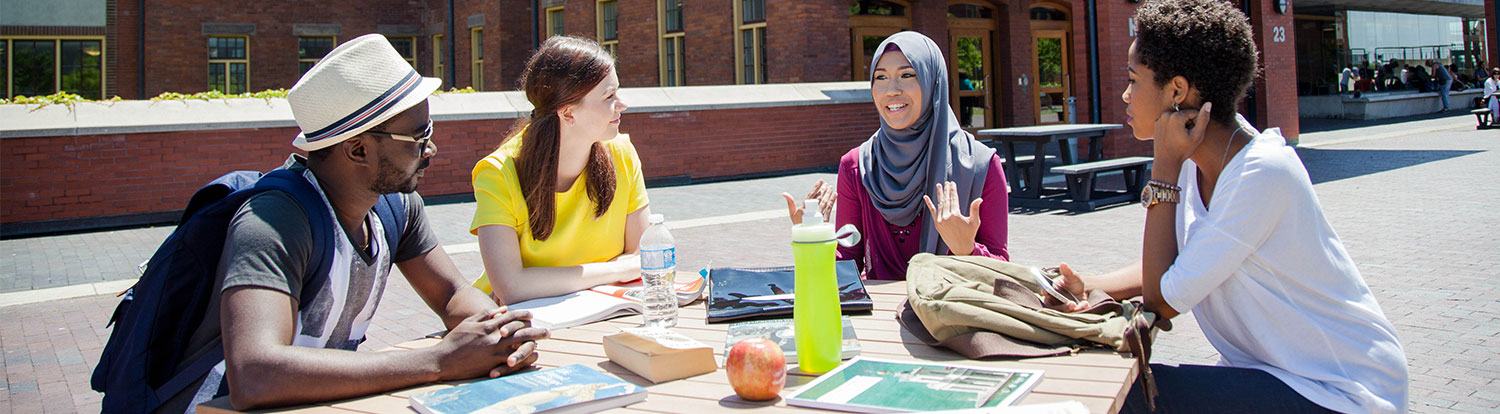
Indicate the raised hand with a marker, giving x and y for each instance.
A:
(823, 192)
(956, 229)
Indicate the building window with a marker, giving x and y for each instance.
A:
(310, 49)
(228, 64)
(5, 68)
(36, 67)
(750, 41)
(672, 69)
(876, 8)
(608, 27)
(555, 21)
(437, 58)
(476, 49)
(407, 48)
(969, 11)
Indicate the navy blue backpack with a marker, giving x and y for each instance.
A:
(157, 317)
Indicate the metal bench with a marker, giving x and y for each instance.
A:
(1016, 175)
(1080, 179)
(1486, 119)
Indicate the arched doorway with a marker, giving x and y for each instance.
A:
(870, 22)
(1051, 26)
(971, 26)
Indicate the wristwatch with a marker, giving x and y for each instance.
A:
(1159, 192)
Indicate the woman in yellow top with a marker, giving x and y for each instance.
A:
(562, 203)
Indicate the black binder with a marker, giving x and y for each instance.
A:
(733, 292)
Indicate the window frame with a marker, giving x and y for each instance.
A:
(437, 59)
(476, 58)
(413, 39)
(550, 23)
(227, 62)
(612, 45)
(300, 59)
(10, 67)
(757, 30)
(673, 40)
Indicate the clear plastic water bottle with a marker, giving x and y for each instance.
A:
(658, 260)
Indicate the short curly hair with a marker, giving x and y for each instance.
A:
(1207, 42)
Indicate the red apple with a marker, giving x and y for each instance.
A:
(757, 369)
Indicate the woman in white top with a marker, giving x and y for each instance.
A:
(1247, 248)
(1491, 89)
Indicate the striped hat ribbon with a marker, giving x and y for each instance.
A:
(364, 114)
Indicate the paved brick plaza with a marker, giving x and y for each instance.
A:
(1413, 202)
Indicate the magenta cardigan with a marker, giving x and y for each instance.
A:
(886, 248)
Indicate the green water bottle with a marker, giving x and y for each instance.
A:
(815, 309)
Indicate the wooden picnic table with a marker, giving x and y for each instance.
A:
(1026, 185)
(1098, 378)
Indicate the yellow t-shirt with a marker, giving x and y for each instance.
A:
(577, 237)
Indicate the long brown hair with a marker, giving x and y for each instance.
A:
(559, 74)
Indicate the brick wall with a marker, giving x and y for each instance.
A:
(92, 176)
(1492, 28)
(709, 58)
(1276, 88)
(638, 60)
(177, 54)
(514, 32)
(806, 41)
(1114, 53)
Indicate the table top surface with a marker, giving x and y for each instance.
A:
(1039, 130)
(1098, 378)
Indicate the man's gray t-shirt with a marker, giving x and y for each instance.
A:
(269, 244)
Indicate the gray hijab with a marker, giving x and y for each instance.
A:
(899, 166)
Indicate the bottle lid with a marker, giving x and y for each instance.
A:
(655, 219)
(810, 212)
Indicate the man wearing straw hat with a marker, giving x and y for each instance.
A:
(365, 127)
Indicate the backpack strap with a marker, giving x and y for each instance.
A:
(319, 219)
(192, 373)
(391, 208)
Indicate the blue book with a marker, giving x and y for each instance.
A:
(570, 389)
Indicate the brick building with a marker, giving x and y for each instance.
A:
(1013, 62)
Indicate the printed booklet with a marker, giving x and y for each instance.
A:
(570, 389)
(867, 385)
(603, 302)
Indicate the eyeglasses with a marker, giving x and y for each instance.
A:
(420, 137)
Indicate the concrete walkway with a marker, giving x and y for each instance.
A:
(1412, 201)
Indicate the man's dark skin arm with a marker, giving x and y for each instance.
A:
(264, 369)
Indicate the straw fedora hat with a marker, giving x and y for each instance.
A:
(357, 86)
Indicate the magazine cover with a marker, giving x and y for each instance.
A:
(569, 389)
(744, 293)
(874, 385)
(784, 333)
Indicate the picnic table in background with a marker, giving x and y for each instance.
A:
(1024, 173)
(1098, 378)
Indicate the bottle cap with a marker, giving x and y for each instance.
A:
(810, 212)
(655, 219)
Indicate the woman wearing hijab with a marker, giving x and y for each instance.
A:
(920, 183)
